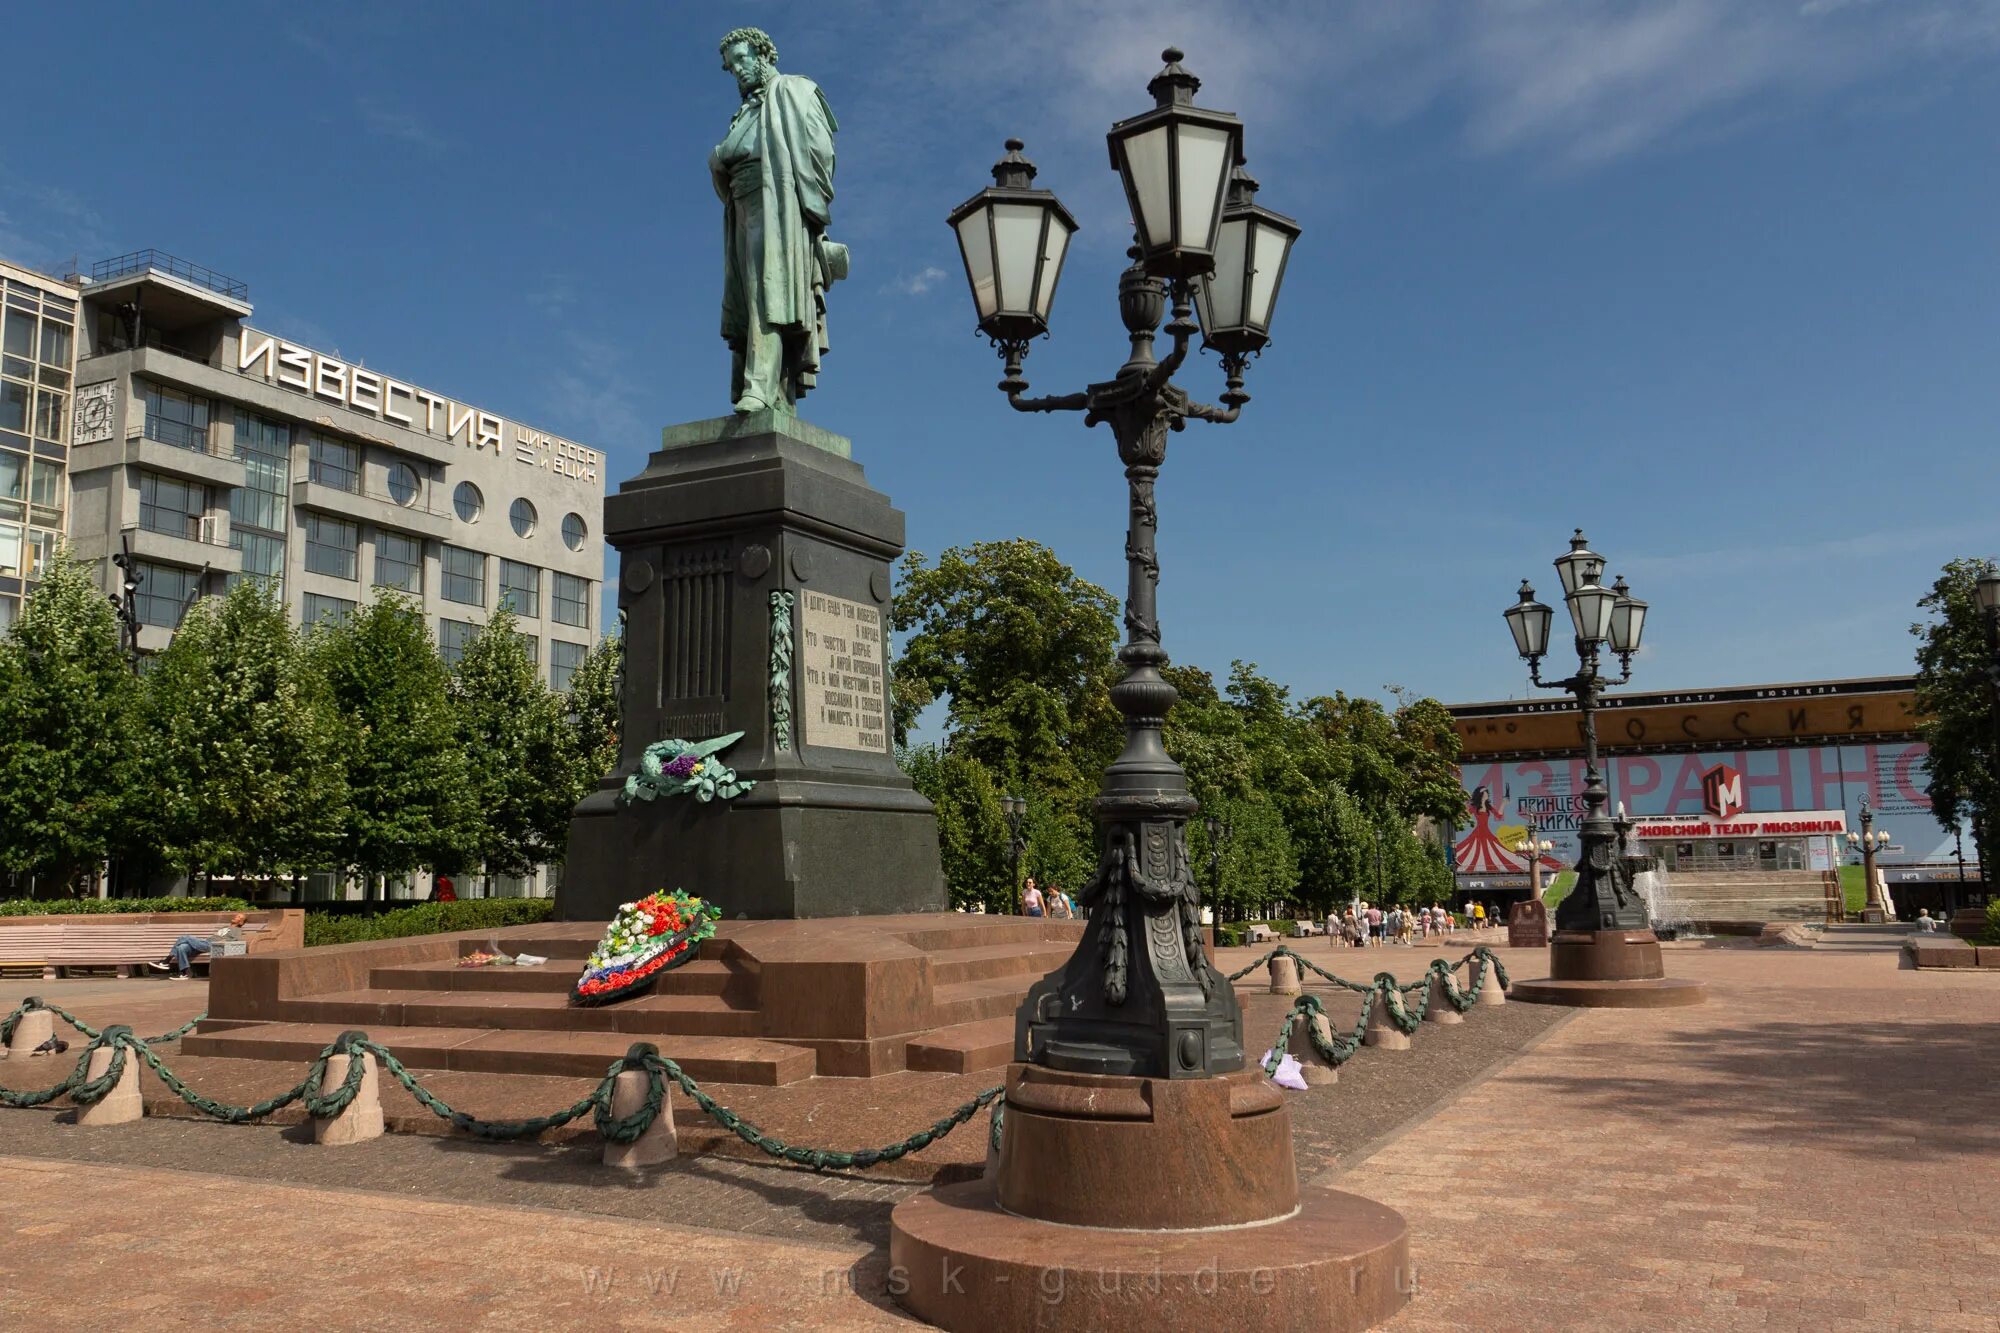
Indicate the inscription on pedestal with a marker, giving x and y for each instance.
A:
(841, 664)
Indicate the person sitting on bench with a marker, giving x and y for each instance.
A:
(189, 947)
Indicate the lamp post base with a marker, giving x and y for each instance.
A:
(1127, 1202)
(1608, 969)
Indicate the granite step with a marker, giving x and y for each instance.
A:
(999, 960)
(975, 1001)
(484, 1051)
(965, 1048)
(702, 1015)
(699, 977)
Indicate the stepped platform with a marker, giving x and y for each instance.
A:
(1745, 900)
(766, 1002)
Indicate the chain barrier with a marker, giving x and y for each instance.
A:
(1404, 1014)
(321, 1103)
(34, 1002)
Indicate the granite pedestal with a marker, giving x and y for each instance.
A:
(1125, 1202)
(754, 581)
(1608, 969)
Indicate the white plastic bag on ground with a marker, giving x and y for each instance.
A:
(1289, 1074)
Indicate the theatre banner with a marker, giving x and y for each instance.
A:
(1817, 782)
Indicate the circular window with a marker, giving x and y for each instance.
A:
(522, 515)
(402, 483)
(468, 502)
(574, 531)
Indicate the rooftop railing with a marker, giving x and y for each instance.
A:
(159, 261)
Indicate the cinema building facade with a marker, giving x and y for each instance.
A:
(1742, 778)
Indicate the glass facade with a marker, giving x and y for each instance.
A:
(399, 562)
(521, 589)
(569, 601)
(463, 576)
(336, 463)
(453, 635)
(163, 591)
(170, 506)
(564, 659)
(532, 646)
(37, 367)
(318, 610)
(259, 509)
(176, 418)
(332, 545)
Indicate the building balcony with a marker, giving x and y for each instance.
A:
(209, 547)
(206, 464)
(379, 509)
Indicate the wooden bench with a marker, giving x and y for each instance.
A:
(123, 945)
(1307, 928)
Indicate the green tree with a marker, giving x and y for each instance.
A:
(244, 771)
(1021, 648)
(594, 714)
(519, 748)
(411, 802)
(1954, 703)
(972, 831)
(69, 728)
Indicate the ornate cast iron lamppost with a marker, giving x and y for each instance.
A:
(1140, 996)
(1219, 832)
(1868, 842)
(1604, 951)
(1130, 1106)
(1015, 809)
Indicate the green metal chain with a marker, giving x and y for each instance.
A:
(1406, 1016)
(34, 1002)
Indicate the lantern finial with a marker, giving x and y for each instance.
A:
(1174, 85)
(1013, 172)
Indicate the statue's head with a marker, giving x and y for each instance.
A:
(751, 56)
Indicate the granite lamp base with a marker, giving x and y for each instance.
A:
(1608, 969)
(1123, 1202)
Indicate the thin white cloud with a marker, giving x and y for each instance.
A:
(916, 284)
(393, 123)
(1562, 83)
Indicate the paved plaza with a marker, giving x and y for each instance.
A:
(1811, 1149)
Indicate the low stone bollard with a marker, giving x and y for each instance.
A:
(362, 1120)
(1317, 1072)
(31, 1030)
(659, 1143)
(1285, 976)
(1381, 1031)
(122, 1105)
(1438, 1008)
(1490, 992)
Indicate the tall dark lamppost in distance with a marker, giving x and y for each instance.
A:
(1988, 594)
(1016, 809)
(1219, 832)
(1130, 1106)
(1604, 951)
(1867, 842)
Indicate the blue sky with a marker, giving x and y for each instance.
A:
(1738, 258)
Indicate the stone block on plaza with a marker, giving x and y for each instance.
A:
(1989, 956)
(1285, 976)
(1439, 1008)
(754, 581)
(1942, 951)
(31, 1030)
(1381, 1031)
(1313, 1067)
(362, 1120)
(659, 1143)
(122, 1104)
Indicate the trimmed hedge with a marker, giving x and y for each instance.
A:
(427, 919)
(98, 906)
(1991, 935)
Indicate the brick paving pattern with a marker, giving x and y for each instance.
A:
(1813, 1149)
